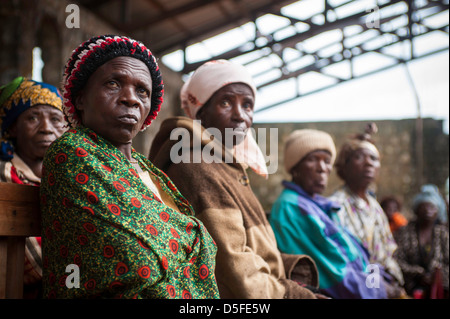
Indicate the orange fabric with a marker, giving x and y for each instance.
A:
(397, 221)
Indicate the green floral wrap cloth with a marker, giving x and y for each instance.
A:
(100, 219)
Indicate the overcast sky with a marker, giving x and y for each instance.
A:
(384, 95)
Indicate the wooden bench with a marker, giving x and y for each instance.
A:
(20, 217)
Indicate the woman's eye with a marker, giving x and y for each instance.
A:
(247, 105)
(112, 84)
(143, 92)
(225, 103)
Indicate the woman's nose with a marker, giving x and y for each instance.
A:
(129, 97)
(45, 124)
(238, 113)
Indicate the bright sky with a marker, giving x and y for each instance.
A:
(384, 95)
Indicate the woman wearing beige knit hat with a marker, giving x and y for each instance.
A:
(304, 222)
(299, 145)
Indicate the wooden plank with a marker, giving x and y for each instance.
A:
(15, 267)
(20, 217)
(19, 210)
(17, 219)
(18, 192)
(3, 263)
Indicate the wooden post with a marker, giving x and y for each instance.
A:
(19, 218)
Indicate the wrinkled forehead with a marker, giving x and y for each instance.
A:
(235, 88)
(123, 67)
(364, 146)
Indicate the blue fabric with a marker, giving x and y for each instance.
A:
(309, 225)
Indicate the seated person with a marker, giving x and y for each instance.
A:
(31, 118)
(106, 209)
(358, 165)
(423, 247)
(304, 222)
(219, 99)
(392, 208)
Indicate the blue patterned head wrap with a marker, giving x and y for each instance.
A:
(15, 98)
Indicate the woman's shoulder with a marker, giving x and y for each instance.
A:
(288, 196)
(442, 229)
(68, 139)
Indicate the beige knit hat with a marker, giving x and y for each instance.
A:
(302, 142)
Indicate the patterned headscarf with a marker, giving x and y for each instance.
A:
(90, 55)
(208, 79)
(18, 96)
(358, 141)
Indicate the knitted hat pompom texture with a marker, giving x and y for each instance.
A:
(93, 53)
(302, 142)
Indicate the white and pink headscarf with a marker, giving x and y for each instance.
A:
(200, 87)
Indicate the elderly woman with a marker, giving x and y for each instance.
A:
(31, 118)
(108, 213)
(304, 222)
(423, 247)
(219, 100)
(358, 164)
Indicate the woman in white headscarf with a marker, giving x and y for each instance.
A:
(206, 155)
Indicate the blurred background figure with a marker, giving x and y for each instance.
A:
(446, 195)
(358, 165)
(31, 118)
(433, 191)
(423, 249)
(304, 221)
(392, 207)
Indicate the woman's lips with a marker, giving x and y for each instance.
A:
(128, 119)
(44, 143)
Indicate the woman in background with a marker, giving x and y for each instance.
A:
(358, 165)
(305, 222)
(31, 118)
(423, 248)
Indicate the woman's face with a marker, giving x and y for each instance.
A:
(362, 168)
(231, 107)
(35, 129)
(312, 172)
(116, 99)
(426, 212)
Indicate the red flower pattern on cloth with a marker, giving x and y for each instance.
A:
(123, 239)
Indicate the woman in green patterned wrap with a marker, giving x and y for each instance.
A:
(117, 220)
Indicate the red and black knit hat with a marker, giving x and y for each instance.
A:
(90, 55)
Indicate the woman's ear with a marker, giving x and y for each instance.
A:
(79, 101)
(12, 131)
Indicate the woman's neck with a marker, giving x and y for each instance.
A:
(35, 164)
(358, 190)
(126, 151)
